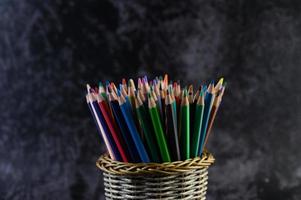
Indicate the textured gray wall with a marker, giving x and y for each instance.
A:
(50, 49)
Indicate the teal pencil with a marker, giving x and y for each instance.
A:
(214, 109)
(209, 98)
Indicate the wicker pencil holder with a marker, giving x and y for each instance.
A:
(176, 180)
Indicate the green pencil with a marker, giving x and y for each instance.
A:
(155, 118)
(147, 129)
(171, 129)
(185, 127)
(197, 125)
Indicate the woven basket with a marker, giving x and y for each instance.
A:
(176, 180)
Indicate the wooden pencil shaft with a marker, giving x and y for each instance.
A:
(112, 128)
(208, 102)
(134, 133)
(197, 130)
(144, 120)
(192, 107)
(210, 123)
(93, 116)
(159, 134)
(168, 123)
(185, 132)
(214, 110)
(105, 135)
(172, 134)
(134, 157)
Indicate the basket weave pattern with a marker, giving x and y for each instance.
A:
(176, 180)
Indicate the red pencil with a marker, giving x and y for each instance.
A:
(112, 127)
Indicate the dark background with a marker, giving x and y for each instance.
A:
(49, 50)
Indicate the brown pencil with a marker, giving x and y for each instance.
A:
(214, 109)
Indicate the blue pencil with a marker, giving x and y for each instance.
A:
(109, 142)
(134, 157)
(133, 130)
(209, 97)
(122, 91)
(94, 119)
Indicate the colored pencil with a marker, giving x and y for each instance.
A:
(163, 91)
(133, 130)
(197, 125)
(157, 121)
(112, 128)
(219, 84)
(133, 155)
(123, 82)
(114, 154)
(144, 121)
(94, 117)
(160, 104)
(171, 129)
(101, 90)
(209, 98)
(131, 98)
(123, 92)
(160, 136)
(132, 83)
(185, 127)
(131, 94)
(215, 107)
(191, 111)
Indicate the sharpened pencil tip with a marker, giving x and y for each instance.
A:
(118, 92)
(88, 88)
(138, 101)
(210, 88)
(145, 78)
(185, 92)
(221, 80)
(165, 101)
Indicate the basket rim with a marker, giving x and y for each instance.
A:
(106, 164)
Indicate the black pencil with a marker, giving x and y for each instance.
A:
(171, 129)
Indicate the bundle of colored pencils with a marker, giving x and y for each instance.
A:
(157, 121)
